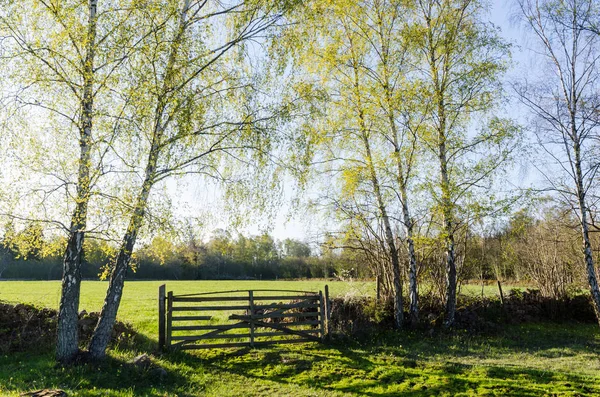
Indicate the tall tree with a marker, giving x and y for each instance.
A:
(461, 61)
(355, 54)
(53, 51)
(386, 29)
(202, 111)
(566, 105)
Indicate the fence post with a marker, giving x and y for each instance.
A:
(322, 314)
(169, 319)
(251, 299)
(327, 311)
(161, 318)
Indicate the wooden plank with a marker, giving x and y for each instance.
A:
(207, 308)
(210, 299)
(247, 307)
(209, 327)
(274, 315)
(161, 317)
(287, 306)
(243, 298)
(234, 326)
(212, 345)
(281, 333)
(220, 335)
(298, 323)
(191, 318)
(283, 297)
(291, 315)
(243, 344)
(190, 338)
(169, 319)
(245, 291)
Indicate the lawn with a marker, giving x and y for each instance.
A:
(531, 360)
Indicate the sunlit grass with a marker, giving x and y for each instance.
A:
(530, 360)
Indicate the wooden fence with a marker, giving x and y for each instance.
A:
(241, 318)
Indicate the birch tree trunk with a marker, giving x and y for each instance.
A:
(412, 259)
(408, 229)
(108, 315)
(573, 102)
(571, 48)
(447, 210)
(587, 248)
(389, 236)
(439, 76)
(445, 187)
(402, 179)
(407, 220)
(67, 345)
(102, 332)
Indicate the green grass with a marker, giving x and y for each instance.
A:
(532, 360)
(139, 305)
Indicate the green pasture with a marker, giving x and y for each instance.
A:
(139, 305)
(531, 360)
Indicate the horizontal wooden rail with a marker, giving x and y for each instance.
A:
(274, 315)
(243, 298)
(299, 305)
(247, 291)
(208, 327)
(308, 331)
(241, 344)
(208, 308)
(202, 337)
(191, 318)
(238, 336)
(235, 326)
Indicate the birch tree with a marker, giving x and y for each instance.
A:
(385, 28)
(461, 61)
(357, 55)
(565, 106)
(62, 57)
(201, 111)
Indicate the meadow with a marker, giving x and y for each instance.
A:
(527, 360)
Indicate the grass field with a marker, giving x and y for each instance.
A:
(532, 360)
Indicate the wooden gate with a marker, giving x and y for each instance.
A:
(241, 318)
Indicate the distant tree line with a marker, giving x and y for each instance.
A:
(27, 254)
(536, 248)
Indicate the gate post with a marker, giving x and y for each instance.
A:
(169, 319)
(161, 318)
(322, 314)
(327, 312)
(251, 301)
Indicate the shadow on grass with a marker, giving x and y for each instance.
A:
(26, 371)
(390, 365)
(391, 369)
(346, 371)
